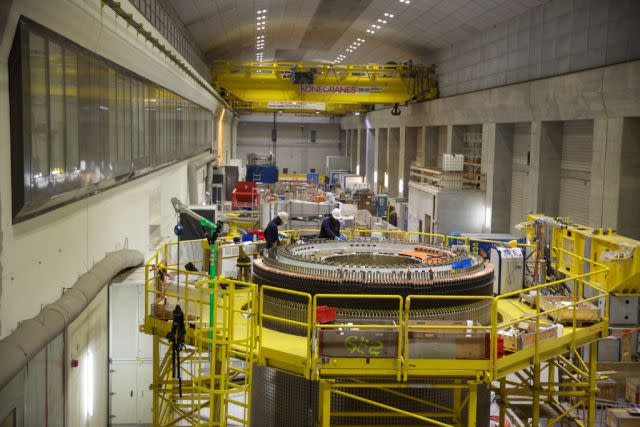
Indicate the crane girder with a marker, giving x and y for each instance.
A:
(331, 88)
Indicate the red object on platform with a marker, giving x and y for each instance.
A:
(325, 314)
(245, 195)
(74, 363)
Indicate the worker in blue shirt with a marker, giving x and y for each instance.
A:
(271, 233)
(330, 228)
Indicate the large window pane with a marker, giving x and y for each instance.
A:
(86, 121)
(39, 110)
(56, 111)
(127, 120)
(71, 110)
(112, 106)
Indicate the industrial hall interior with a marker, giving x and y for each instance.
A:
(314, 213)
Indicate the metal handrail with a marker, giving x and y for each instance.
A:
(194, 303)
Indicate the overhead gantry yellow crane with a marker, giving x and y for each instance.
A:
(319, 87)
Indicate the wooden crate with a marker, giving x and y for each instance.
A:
(632, 390)
(526, 336)
(622, 418)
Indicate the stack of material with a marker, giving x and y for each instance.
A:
(523, 335)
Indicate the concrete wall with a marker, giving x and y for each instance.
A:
(41, 256)
(557, 37)
(295, 151)
(87, 338)
(48, 391)
(608, 96)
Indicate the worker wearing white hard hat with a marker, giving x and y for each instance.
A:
(271, 232)
(330, 228)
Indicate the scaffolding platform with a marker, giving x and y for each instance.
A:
(548, 370)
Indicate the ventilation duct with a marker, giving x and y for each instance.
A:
(34, 334)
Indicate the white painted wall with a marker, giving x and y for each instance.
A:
(41, 256)
(86, 384)
(294, 149)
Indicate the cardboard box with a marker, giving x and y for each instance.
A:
(632, 390)
(525, 336)
(355, 342)
(622, 418)
(440, 343)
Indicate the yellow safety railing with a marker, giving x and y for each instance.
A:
(283, 320)
(194, 302)
(231, 335)
(359, 346)
(162, 273)
(404, 327)
(461, 330)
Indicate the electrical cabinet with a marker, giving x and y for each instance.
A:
(509, 269)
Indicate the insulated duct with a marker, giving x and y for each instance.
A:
(32, 335)
(192, 176)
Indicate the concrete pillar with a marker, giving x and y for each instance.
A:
(354, 150)
(544, 169)
(628, 223)
(497, 155)
(382, 135)
(393, 161)
(345, 150)
(376, 161)
(362, 152)
(455, 139)
(430, 146)
(410, 137)
(607, 135)
(370, 156)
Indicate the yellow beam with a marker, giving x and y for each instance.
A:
(268, 85)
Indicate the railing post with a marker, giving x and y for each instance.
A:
(324, 403)
(535, 391)
(503, 402)
(473, 404)
(593, 354)
(457, 403)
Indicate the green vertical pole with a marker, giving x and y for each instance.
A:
(212, 271)
(212, 276)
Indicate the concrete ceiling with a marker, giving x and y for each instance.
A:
(320, 30)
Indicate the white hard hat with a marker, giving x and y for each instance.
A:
(336, 213)
(283, 216)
